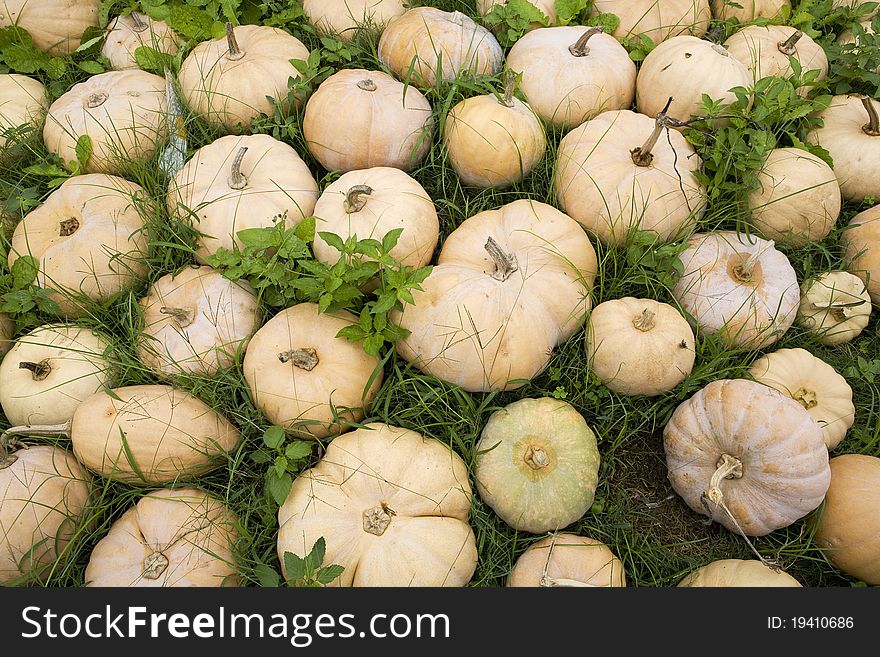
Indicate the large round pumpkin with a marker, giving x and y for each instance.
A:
(485, 318)
(738, 573)
(656, 19)
(747, 456)
(861, 244)
(565, 559)
(172, 537)
(835, 307)
(537, 464)
(392, 507)
(125, 34)
(23, 102)
(56, 26)
(344, 18)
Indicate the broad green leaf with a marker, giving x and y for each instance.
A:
(267, 576)
(279, 487)
(298, 450)
(329, 573)
(274, 437)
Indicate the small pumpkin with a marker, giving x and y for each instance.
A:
(231, 81)
(196, 322)
(814, 384)
(765, 50)
(797, 200)
(566, 559)
(861, 249)
(848, 529)
(657, 20)
(738, 573)
(639, 346)
(55, 26)
(835, 307)
(570, 74)
(738, 286)
(392, 507)
(484, 319)
(344, 18)
(747, 456)
(537, 464)
(438, 45)
(50, 370)
(89, 239)
(239, 182)
(125, 34)
(23, 102)
(748, 10)
(123, 114)
(305, 378)
(172, 537)
(44, 495)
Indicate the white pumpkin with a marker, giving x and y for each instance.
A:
(565, 559)
(125, 34)
(738, 573)
(23, 102)
(344, 18)
(656, 19)
(56, 26)
(861, 243)
(835, 307)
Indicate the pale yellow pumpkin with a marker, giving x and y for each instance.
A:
(123, 113)
(639, 346)
(622, 172)
(425, 45)
(748, 10)
(835, 307)
(231, 81)
(656, 19)
(44, 496)
(814, 384)
(572, 73)
(385, 123)
(172, 537)
(305, 378)
(797, 200)
(848, 530)
(485, 318)
(56, 26)
(125, 34)
(196, 322)
(23, 102)
(738, 573)
(89, 238)
(861, 243)
(344, 18)
(392, 507)
(565, 559)
(747, 456)
(738, 286)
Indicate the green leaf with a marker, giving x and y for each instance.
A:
(190, 22)
(316, 557)
(305, 229)
(298, 450)
(24, 271)
(568, 10)
(150, 59)
(267, 576)
(91, 67)
(23, 59)
(85, 45)
(257, 238)
(273, 437)
(333, 241)
(83, 150)
(295, 567)
(46, 169)
(279, 487)
(328, 573)
(373, 344)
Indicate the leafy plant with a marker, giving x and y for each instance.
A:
(307, 571)
(286, 459)
(509, 21)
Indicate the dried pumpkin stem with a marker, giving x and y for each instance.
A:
(505, 263)
(184, 316)
(806, 398)
(645, 321)
(367, 85)
(237, 179)
(235, 53)
(580, 48)
(154, 566)
(7, 459)
(356, 198)
(536, 458)
(68, 227)
(457, 17)
(787, 47)
(97, 99)
(642, 155)
(509, 88)
(743, 271)
(139, 25)
(38, 370)
(872, 127)
(377, 519)
(305, 359)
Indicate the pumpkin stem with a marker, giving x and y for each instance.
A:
(184, 316)
(642, 155)
(139, 25)
(377, 519)
(839, 310)
(457, 17)
(509, 88)
(558, 581)
(807, 398)
(305, 359)
(721, 50)
(356, 198)
(6, 459)
(154, 566)
(872, 127)
(235, 53)
(39, 370)
(536, 458)
(645, 321)
(580, 48)
(787, 47)
(367, 85)
(505, 263)
(68, 227)
(743, 271)
(237, 179)
(97, 99)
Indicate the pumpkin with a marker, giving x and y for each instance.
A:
(738, 573)
(738, 286)
(343, 18)
(861, 243)
(305, 378)
(50, 370)
(797, 200)
(44, 495)
(231, 81)
(56, 26)
(492, 141)
(196, 322)
(484, 319)
(536, 464)
(385, 123)
(639, 346)
(685, 68)
(623, 172)
(570, 74)
(765, 51)
(835, 307)
(125, 34)
(425, 45)
(656, 19)
(7, 332)
(23, 102)
(546, 7)
(240, 182)
(814, 384)
(372, 202)
(123, 113)
(172, 537)
(748, 10)
(392, 507)
(565, 559)
(89, 239)
(747, 456)
(850, 131)
(848, 529)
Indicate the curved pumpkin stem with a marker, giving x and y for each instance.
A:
(645, 322)
(7, 459)
(237, 179)
(139, 25)
(580, 48)
(184, 316)
(788, 47)
(235, 53)
(509, 88)
(305, 359)
(505, 263)
(642, 155)
(356, 198)
(872, 127)
(38, 370)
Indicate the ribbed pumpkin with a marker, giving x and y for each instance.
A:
(738, 573)
(656, 19)
(747, 456)
(56, 26)
(392, 507)
(835, 307)
(343, 18)
(861, 243)
(565, 559)
(23, 101)
(125, 34)
(172, 537)
(537, 464)
(747, 10)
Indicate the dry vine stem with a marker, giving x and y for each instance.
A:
(558, 581)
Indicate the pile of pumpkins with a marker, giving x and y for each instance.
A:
(751, 453)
